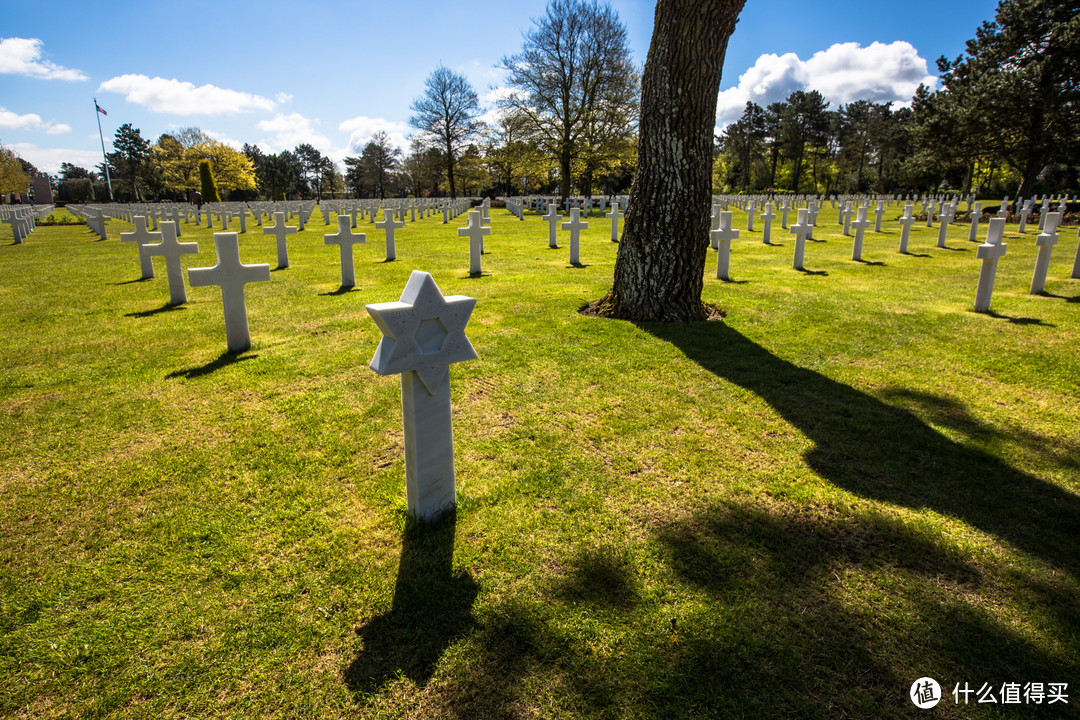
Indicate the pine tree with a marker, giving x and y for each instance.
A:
(206, 178)
(1021, 79)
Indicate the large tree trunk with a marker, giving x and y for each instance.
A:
(450, 170)
(564, 172)
(661, 261)
(1033, 163)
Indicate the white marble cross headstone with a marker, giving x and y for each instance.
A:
(281, 232)
(389, 225)
(944, 218)
(16, 228)
(231, 275)
(750, 210)
(1025, 212)
(345, 238)
(614, 215)
(475, 231)
(553, 217)
(423, 333)
(575, 225)
(878, 213)
(1046, 241)
(802, 230)
(845, 217)
(976, 215)
(141, 236)
(905, 223)
(989, 252)
(171, 250)
(766, 218)
(860, 226)
(722, 239)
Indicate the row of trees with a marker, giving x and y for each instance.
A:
(568, 121)
(1005, 121)
(799, 145)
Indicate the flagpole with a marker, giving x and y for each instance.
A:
(108, 180)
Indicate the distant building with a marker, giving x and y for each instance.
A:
(42, 190)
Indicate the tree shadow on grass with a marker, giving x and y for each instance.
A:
(953, 414)
(225, 359)
(432, 607)
(167, 307)
(888, 454)
(784, 611)
(824, 615)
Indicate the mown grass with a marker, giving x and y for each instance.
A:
(851, 482)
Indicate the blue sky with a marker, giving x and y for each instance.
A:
(333, 73)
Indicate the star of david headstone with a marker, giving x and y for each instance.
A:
(423, 334)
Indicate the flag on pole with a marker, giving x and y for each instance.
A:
(100, 109)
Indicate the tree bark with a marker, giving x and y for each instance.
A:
(661, 261)
(564, 171)
(450, 170)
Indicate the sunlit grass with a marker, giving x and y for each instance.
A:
(852, 482)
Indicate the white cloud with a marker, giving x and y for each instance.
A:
(183, 98)
(490, 101)
(30, 121)
(283, 98)
(22, 56)
(223, 138)
(361, 129)
(49, 159)
(843, 73)
(291, 130)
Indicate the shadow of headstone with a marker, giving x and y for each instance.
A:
(432, 607)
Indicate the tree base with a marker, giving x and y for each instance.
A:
(609, 307)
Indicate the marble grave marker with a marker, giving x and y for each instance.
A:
(345, 238)
(171, 250)
(232, 276)
(423, 333)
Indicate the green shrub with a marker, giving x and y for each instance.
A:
(209, 187)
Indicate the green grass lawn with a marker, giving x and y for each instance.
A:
(851, 482)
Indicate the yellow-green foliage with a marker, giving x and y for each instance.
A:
(12, 177)
(232, 169)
